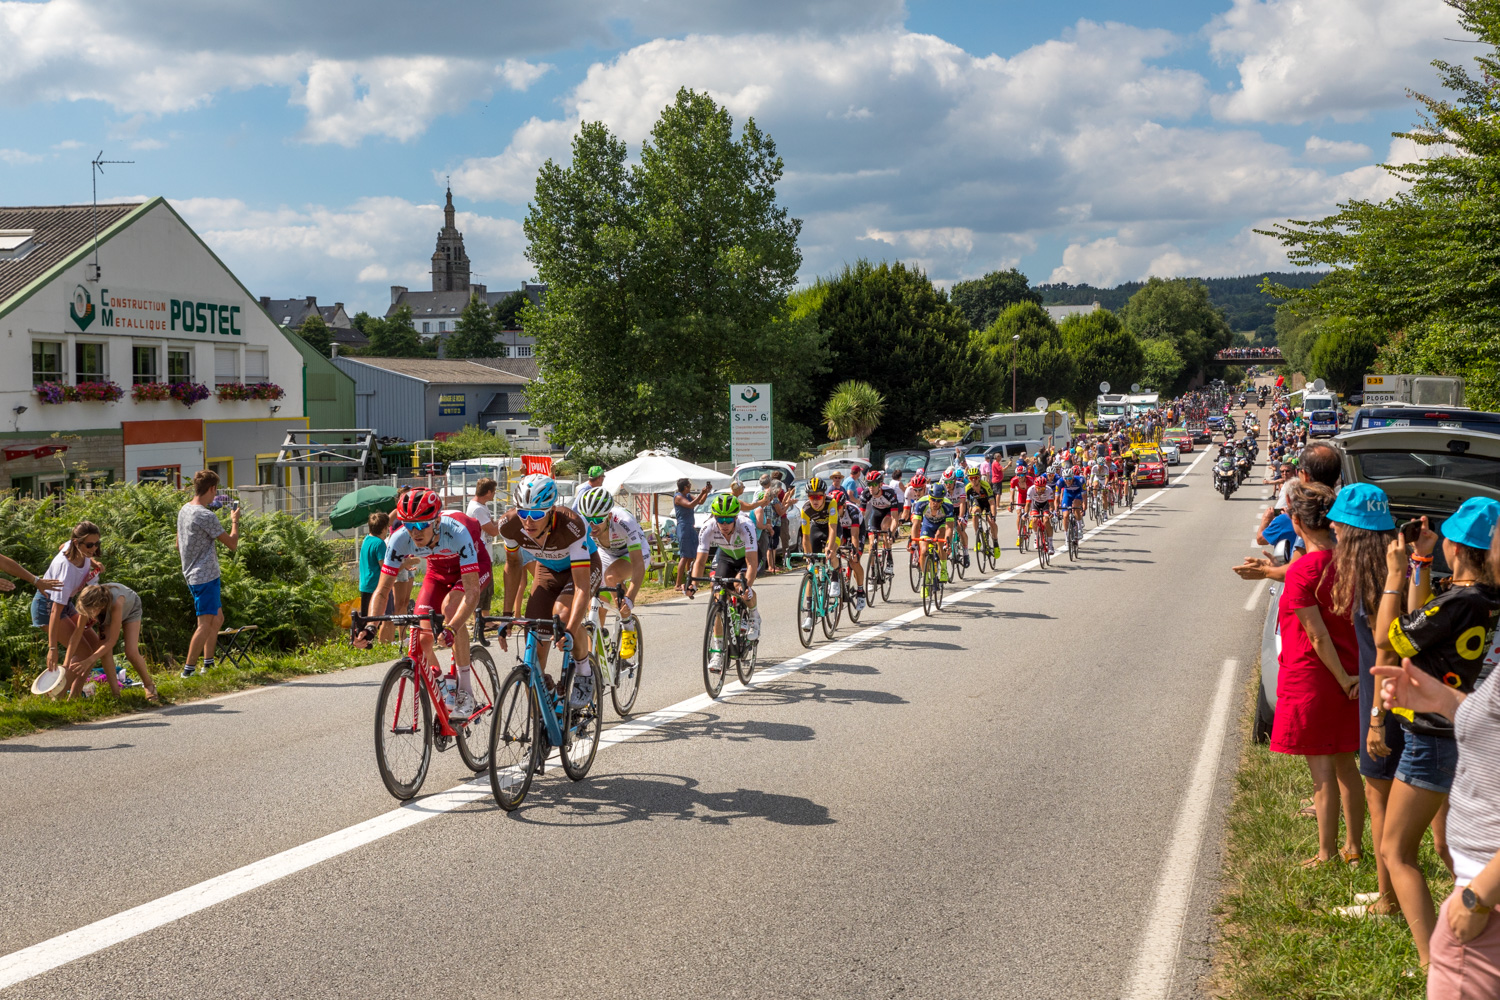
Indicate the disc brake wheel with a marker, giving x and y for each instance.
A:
(474, 735)
(582, 727)
(806, 611)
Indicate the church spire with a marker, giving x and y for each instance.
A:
(448, 211)
(450, 263)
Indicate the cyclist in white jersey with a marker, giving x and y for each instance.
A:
(733, 534)
(623, 548)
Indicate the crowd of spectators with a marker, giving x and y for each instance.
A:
(1249, 354)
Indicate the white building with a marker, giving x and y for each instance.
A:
(158, 315)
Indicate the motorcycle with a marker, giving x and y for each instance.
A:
(1226, 479)
(1242, 465)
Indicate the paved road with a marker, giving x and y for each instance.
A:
(979, 804)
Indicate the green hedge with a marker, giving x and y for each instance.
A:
(281, 577)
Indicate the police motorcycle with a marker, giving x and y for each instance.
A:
(1226, 478)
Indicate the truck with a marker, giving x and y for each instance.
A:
(1420, 390)
(1051, 429)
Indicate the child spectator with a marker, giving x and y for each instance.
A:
(111, 609)
(371, 557)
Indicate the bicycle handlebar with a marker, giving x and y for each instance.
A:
(553, 625)
(359, 621)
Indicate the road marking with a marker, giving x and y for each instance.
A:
(1151, 973)
(1255, 595)
(46, 955)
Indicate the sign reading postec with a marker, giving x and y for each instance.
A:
(127, 311)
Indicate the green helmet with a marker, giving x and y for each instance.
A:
(725, 505)
(594, 502)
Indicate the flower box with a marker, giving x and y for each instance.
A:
(145, 391)
(235, 391)
(85, 392)
(51, 392)
(188, 393)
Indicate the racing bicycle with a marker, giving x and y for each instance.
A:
(932, 579)
(1041, 537)
(1074, 533)
(724, 633)
(617, 650)
(814, 603)
(984, 545)
(880, 567)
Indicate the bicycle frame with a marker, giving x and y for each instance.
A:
(428, 674)
(550, 706)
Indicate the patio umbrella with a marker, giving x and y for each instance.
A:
(654, 472)
(354, 509)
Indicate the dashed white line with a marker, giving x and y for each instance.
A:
(1255, 595)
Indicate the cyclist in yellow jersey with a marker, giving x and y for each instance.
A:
(979, 496)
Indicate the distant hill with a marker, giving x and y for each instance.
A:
(1247, 308)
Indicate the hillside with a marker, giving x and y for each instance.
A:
(1247, 308)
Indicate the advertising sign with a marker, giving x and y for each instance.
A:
(451, 404)
(536, 465)
(750, 423)
(127, 311)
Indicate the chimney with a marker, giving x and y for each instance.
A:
(265, 302)
(312, 301)
(396, 292)
(334, 348)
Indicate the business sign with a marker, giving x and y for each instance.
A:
(126, 311)
(451, 404)
(750, 423)
(536, 465)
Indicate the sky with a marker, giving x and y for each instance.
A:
(1095, 141)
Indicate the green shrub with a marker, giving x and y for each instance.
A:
(280, 578)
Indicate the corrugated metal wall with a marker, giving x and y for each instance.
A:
(394, 405)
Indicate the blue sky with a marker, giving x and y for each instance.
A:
(1096, 141)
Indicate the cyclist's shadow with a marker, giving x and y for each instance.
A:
(611, 799)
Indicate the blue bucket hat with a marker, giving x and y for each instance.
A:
(1473, 524)
(1360, 505)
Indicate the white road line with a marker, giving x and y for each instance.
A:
(1255, 595)
(44, 956)
(1151, 973)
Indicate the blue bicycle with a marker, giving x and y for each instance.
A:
(532, 714)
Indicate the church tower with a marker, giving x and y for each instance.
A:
(450, 264)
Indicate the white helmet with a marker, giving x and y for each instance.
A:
(535, 492)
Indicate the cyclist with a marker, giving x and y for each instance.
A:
(567, 571)
(1020, 483)
(453, 560)
(849, 534)
(1127, 472)
(822, 516)
(882, 504)
(978, 496)
(956, 486)
(1072, 496)
(733, 534)
(933, 513)
(623, 549)
(914, 492)
(1039, 503)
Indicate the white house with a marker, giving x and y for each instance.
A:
(140, 357)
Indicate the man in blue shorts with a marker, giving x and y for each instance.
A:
(198, 532)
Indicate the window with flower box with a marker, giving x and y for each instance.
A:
(46, 361)
(88, 362)
(143, 364)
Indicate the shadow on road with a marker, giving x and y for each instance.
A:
(33, 748)
(609, 799)
(706, 725)
(792, 692)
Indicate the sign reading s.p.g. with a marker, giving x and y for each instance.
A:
(750, 437)
(131, 312)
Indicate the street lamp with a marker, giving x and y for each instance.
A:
(1015, 341)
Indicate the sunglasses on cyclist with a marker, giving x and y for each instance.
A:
(817, 496)
(726, 520)
(532, 515)
(416, 525)
(597, 518)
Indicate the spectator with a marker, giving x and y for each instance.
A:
(1465, 946)
(15, 569)
(1362, 522)
(371, 557)
(74, 566)
(1317, 684)
(596, 476)
(1319, 464)
(683, 503)
(198, 530)
(1444, 636)
(111, 609)
(479, 510)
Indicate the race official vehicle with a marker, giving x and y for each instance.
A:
(1151, 466)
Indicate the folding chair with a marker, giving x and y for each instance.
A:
(234, 644)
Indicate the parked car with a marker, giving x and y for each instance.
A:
(1426, 472)
(905, 460)
(826, 468)
(750, 472)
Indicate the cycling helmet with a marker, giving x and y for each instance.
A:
(837, 496)
(418, 505)
(919, 480)
(938, 491)
(535, 492)
(816, 485)
(1077, 470)
(725, 505)
(874, 476)
(948, 474)
(594, 502)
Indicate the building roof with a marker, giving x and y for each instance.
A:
(58, 232)
(524, 367)
(1063, 312)
(443, 305)
(293, 312)
(446, 371)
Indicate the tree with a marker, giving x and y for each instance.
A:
(853, 411)
(1343, 355)
(1104, 351)
(508, 311)
(1180, 311)
(1043, 366)
(887, 325)
(1161, 366)
(395, 337)
(474, 334)
(666, 281)
(984, 299)
(315, 332)
(1446, 347)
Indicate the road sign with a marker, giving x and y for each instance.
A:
(1103, 386)
(1041, 403)
(750, 437)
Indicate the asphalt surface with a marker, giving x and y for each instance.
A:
(974, 804)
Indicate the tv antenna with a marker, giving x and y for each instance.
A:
(97, 168)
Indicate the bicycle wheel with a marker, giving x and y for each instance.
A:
(885, 576)
(929, 583)
(806, 610)
(516, 744)
(744, 663)
(982, 556)
(1073, 540)
(474, 735)
(956, 561)
(1023, 538)
(847, 594)
(939, 588)
(628, 670)
(873, 568)
(403, 731)
(832, 608)
(913, 568)
(1043, 557)
(718, 616)
(582, 728)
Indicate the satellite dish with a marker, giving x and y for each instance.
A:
(1135, 387)
(1319, 385)
(1041, 403)
(1103, 386)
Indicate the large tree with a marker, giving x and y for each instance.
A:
(508, 311)
(1161, 365)
(667, 281)
(887, 325)
(315, 332)
(474, 334)
(1179, 311)
(1043, 366)
(1343, 355)
(984, 299)
(1104, 351)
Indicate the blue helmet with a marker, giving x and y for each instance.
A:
(535, 492)
(937, 491)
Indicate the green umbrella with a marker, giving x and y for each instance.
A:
(355, 508)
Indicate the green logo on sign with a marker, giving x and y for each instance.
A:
(81, 308)
(750, 395)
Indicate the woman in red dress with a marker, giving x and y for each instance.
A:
(1317, 684)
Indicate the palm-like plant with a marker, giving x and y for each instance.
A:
(853, 411)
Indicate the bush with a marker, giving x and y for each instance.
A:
(281, 577)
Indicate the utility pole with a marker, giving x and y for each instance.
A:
(1015, 342)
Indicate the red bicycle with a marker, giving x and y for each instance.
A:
(1043, 541)
(405, 727)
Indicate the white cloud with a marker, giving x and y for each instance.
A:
(1321, 150)
(1307, 60)
(352, 253)
(18, 157)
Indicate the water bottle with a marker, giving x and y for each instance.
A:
(450, 690)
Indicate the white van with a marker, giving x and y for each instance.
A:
(466, 473)
(1053, 429)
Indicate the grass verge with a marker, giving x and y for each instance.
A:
(1278, 936)
(27, 714)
